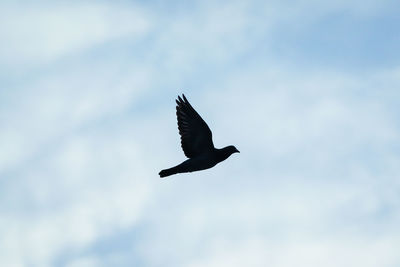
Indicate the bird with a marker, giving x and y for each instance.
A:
(196, 142)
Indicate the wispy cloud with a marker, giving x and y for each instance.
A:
(88, 120)
(44, 32)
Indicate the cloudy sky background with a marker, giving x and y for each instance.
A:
(308, 91)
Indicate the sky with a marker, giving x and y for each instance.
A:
(307, 90)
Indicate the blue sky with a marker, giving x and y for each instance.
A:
(306, 90)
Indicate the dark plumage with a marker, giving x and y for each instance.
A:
(196, 142)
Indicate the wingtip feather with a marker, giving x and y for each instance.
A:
(184, 98)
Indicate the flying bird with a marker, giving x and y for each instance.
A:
(196, 142)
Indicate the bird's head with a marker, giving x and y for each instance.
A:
(232, 149)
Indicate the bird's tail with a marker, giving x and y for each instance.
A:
(168, 172)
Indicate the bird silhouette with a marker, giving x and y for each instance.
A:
(196, 142)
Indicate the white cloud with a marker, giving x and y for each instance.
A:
(88, 188)
(54, 105)
(315, 182)
(339, 251)
(34, 34)
(85, 262)
(315, 185)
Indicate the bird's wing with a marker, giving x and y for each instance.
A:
(196, 136)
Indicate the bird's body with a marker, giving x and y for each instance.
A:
(196, 142)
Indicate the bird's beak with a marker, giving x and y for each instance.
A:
(237, 151)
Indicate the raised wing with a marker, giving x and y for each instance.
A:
(196, 136)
